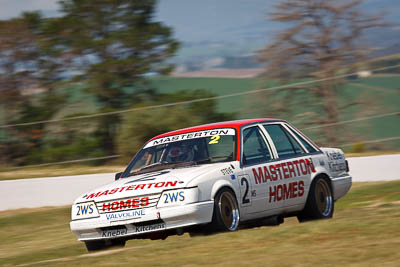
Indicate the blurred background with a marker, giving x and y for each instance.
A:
(90, 81)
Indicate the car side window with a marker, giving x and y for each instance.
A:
(255, 149)
(285, 144)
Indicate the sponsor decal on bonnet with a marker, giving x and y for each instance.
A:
(132, 187)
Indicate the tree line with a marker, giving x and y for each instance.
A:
(109, 48)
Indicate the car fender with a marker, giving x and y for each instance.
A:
(321, 173)
(211, 182)
(220, 184)
(320, 165)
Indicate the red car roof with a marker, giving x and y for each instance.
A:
(226, 124)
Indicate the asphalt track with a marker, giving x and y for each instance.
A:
(60, 191)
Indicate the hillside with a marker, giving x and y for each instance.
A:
(380, 93)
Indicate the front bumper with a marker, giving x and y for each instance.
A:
(114, 225)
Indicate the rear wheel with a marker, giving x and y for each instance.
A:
(320, 204)
(226, 211)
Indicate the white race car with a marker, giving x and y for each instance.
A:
(213, 177)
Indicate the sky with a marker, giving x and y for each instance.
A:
(211, 19)
(192, 20)
(207, 21)
(196, 21)
(12, 8)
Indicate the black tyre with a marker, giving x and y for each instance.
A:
(97, 245)
(226, 211)
(118, 242)
(320, 203)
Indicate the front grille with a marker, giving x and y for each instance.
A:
(131, 203)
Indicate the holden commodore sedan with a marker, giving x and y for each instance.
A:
(213, 177)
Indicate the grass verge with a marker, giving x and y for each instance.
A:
(364, 231)
(54, 171)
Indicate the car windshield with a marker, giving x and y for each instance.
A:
(211, 146)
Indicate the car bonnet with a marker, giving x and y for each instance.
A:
(148, 183)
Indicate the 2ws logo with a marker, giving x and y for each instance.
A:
(178, 197)
(84, 210)
(173, 197)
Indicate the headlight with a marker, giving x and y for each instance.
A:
(178, 197)
(84, 211)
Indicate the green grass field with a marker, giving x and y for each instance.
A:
(365, 231)
(218, 86)
(378, 95)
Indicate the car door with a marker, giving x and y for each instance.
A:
(294, 167)
(257, 159)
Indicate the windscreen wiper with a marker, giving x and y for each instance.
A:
(160, 163)
(213, 159)
(202, 161)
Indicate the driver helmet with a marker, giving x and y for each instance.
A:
(180, 153)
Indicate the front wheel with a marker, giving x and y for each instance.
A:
(226, 211)
(320, 204)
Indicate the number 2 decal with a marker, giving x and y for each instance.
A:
(214, 139)
(245, 199)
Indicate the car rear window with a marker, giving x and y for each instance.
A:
(310, 148)
(285, 144)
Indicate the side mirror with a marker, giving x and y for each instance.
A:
(118, 176)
